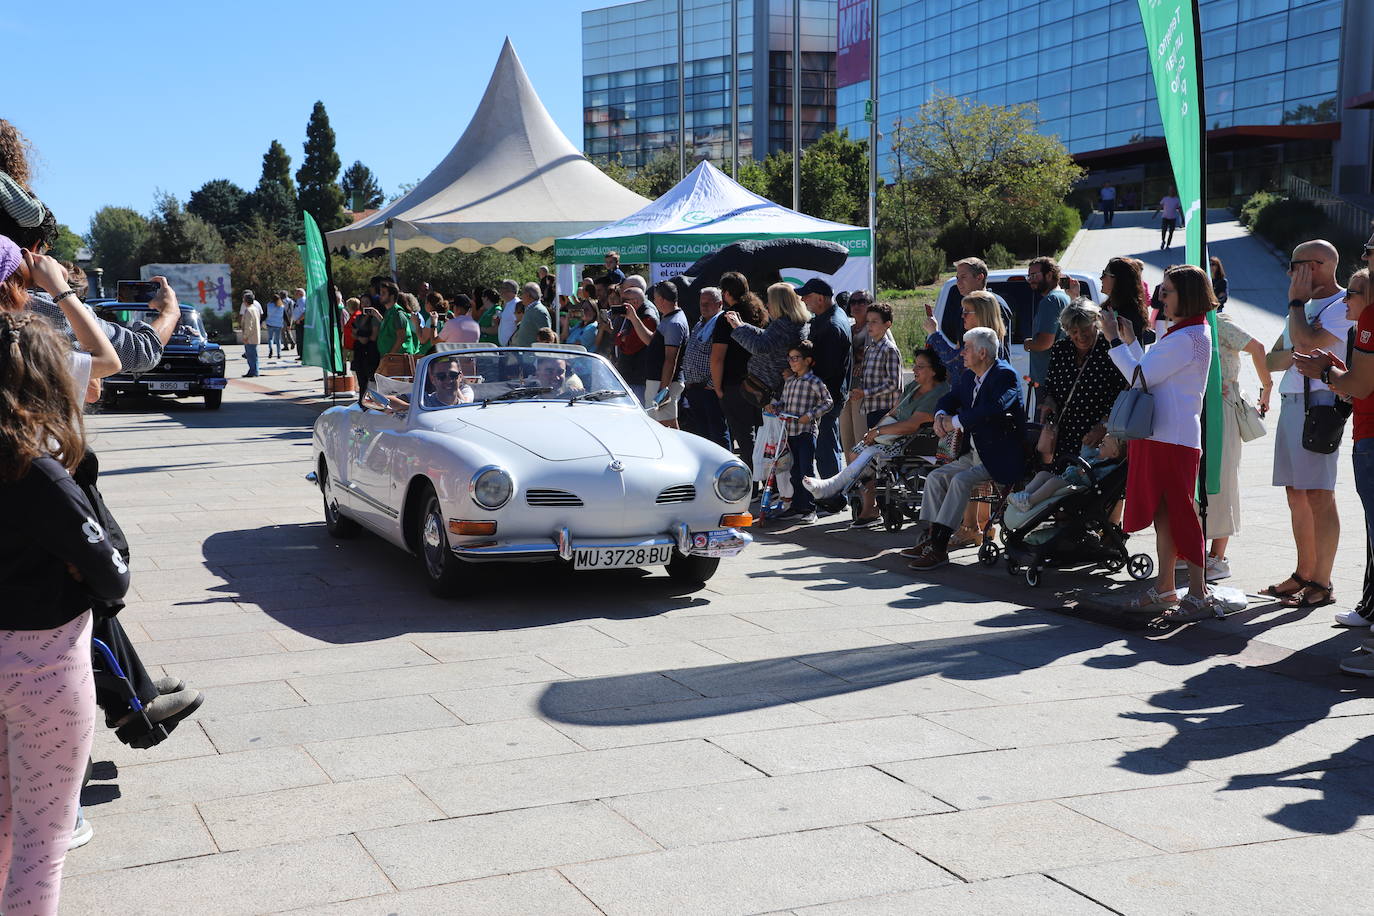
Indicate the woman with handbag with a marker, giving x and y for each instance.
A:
(53, 567)
(1241, 422)
(1081, 385)
(730, 363)
(768, 346)
(1164, 460)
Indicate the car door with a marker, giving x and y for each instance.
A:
(374, 441)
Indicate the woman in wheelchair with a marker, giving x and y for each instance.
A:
(914, 410)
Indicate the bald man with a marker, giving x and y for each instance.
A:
(1316, 320)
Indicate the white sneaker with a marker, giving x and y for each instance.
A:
(82, 833)
(1352, 618)
(1217, 569)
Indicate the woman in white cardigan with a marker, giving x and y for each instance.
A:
(1162, 477)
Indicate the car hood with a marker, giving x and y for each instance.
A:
(559, 432)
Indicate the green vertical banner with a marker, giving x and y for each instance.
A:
(1173, 35)
(321, 346)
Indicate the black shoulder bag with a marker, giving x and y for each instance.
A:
(1323, 425)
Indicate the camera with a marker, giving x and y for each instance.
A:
(136, 290)
(618, 309)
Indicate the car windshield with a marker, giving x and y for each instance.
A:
(190, 324)
(477, 377)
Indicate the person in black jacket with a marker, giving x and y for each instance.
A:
(56, 561)
(832, 333)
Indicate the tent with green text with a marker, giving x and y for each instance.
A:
(701, 214)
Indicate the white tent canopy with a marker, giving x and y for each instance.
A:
(702, 213)
(512, 179)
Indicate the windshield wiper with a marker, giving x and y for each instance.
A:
(601, 394)
(516, 393)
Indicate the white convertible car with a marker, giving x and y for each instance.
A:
(534, 454)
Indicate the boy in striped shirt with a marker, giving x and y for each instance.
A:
(805, 397)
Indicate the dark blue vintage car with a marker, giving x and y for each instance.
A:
(191, 366)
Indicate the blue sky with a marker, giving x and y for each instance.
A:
(126, 98)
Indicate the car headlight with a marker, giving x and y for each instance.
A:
(491, 488)
(212, 356)
(733, 482)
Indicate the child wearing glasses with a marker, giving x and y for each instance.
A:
(804, 399)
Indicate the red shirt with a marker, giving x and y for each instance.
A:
(1364, 407)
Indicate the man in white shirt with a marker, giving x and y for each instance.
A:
(506, 329)
(1316, 320)
(298, 319)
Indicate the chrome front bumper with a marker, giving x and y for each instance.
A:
(562, 545)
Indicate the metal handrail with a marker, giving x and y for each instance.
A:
(1351, 217)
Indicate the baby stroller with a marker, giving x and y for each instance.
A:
(1071, 530)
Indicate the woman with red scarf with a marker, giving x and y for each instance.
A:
(1162, 475)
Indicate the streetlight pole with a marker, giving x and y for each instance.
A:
(734, 89)
(681, 99)
(796, 104)
(873, 149)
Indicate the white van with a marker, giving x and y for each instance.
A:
(1011, 285)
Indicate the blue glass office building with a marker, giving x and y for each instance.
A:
(1283, 79)
(630, 81)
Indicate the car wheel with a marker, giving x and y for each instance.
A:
(213, 399)
(442, 568)
(687, 568)
(338, 525)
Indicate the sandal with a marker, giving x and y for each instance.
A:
(1288, 597)
(1192, 609)
(1151, 600)
(1305, 599)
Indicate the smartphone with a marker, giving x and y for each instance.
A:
(930, 310)
(1064, 283)
(662, 397)
(136, 290)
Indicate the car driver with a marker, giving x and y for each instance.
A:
(445, 386)
(552, 373)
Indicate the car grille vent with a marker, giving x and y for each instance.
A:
(682, 493)
(551, 499)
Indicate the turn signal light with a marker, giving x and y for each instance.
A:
(743, 520)
(469, 529)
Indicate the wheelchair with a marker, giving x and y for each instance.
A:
(898, 473)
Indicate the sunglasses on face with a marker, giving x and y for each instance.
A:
(967, 312)
(448, 376)
(1293, 265)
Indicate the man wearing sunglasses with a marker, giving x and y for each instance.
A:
(445, 383)
(1316, 321)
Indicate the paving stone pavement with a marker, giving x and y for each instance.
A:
(817, 731)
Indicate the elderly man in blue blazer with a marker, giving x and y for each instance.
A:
(986, 404)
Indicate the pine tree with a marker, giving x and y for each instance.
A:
(318, 175)
(274, 199)
(361, 189)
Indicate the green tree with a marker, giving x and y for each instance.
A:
(263, 261)
(221, 204)
(653, 179)
(318, 175)
(361, 189)
(64, 249)
(834, 178)
(116, 236)
(274, 199)
(984, 166)
(178, 237)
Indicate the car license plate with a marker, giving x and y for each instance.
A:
(169, 386)
(621, 557)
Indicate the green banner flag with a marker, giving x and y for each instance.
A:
(1173, 36)
(321, 345)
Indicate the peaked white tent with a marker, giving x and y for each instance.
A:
(703, 213)
(512, 179)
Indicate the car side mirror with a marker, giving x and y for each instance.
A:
(373, 401)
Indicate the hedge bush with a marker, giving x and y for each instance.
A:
(1287, 223)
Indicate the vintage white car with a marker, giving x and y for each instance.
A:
(527, 454)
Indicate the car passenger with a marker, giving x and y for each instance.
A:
(552, 373)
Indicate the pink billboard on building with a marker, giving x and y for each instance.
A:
(853, 42)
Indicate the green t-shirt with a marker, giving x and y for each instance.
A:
(488, 322)
(397, 321)
(913, 402)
